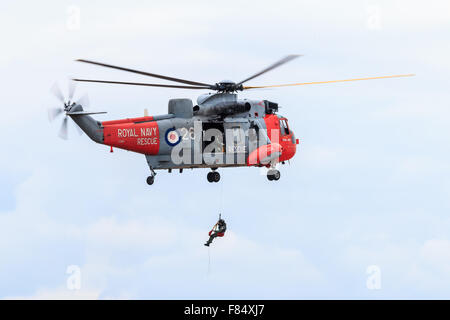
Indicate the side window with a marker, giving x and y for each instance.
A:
(284, 127)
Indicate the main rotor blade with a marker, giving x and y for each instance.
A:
(146, 73)
(271, 67)
(63, 130)
(57, 92)
(144, 84)
(332, 81)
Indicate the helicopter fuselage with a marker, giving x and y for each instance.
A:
(220, 131)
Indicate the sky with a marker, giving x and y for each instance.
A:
(361, 212)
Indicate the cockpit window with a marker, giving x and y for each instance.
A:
(284, 127)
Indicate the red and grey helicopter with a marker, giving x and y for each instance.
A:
(220, 130)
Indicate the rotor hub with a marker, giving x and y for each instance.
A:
(68, 105)
(228, 86)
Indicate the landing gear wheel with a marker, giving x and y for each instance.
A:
(150, 180)
(273, 175)
(276, 175)
(213, 176)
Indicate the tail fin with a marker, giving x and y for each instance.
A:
(89, 125)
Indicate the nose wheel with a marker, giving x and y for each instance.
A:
(151, 179)
(273, 175)
(213, 176)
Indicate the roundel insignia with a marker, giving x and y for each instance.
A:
(172, 137)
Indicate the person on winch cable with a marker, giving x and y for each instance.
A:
(217, 231)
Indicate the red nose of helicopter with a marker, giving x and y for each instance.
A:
(288, 141)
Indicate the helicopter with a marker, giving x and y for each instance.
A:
(219, 131)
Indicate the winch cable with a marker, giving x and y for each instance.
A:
(221, 206)
(209, 260)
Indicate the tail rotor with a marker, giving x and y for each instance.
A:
(68, 104)
(63, 131)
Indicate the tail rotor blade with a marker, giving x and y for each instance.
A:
(63, 134)
(57, 92)
(80, 132)
(53, 113)
(72, 86)
(84, 101)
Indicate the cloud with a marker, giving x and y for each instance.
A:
(130, 233)
(436, 253)
(150, 252)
